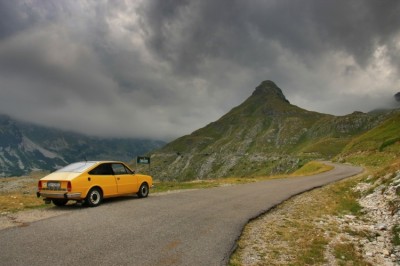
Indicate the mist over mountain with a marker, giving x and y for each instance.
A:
(25, 147)
(264, 135)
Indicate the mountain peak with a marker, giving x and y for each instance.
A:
(268, 89)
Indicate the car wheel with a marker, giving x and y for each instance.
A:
(60, 202)
(94, 197)
(143, 190)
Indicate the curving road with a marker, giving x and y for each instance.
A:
(198, 227)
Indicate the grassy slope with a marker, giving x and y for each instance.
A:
(375, 148)
(290, 232)
(380, 138)
(265, 126)
(264, 135)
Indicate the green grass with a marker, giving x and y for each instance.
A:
(314, 254)
(372, 159)
(327, 147)
(396, 235)
(379, 138)
(388, 143)
(312, 168)
(346, 253)
(345, 199)
(170, 185)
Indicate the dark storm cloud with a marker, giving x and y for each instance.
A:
(161, 69)
(246, 31)
(14, 17)
(397, 96)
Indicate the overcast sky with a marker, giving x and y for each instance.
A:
(162, 69)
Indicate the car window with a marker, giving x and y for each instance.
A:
(119, 169)
(102, 169)
(79, 167)
(129, 171)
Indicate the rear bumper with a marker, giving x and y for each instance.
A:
(60, 195)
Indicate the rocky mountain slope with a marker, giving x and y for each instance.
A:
(25, 147)
(359, 223)
(264, 135)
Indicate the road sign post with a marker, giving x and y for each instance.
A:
(143, 160)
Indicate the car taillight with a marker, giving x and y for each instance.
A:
(69, 186)
(40, 185)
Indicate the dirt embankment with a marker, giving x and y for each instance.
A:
(369, 238)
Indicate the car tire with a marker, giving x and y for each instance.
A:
(60, 202)
(94, 197)
(143, 190)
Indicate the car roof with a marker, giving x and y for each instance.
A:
(97, 162)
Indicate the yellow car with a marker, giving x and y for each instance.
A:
(90, 182)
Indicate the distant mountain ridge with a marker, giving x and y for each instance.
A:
(264, 135)
(25, 147)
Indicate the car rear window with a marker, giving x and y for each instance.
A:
(77, 167)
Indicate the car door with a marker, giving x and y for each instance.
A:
(103, 176)
(126, 181)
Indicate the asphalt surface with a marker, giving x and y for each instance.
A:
(197, 227)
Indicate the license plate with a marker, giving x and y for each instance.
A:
(53, 185)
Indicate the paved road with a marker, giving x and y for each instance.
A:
(198, 227)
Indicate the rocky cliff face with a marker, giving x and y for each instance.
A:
(25, 147)
(264, 135)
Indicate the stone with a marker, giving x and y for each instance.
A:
(382, 227)
(351, 217)
(385, 252)
(380, 239)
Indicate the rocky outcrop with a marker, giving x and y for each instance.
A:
(376, 233)
(381, 221)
